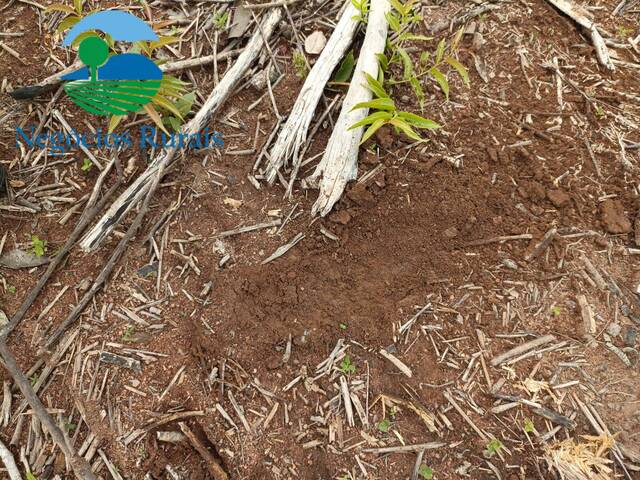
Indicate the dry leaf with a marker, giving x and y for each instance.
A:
(17, 259)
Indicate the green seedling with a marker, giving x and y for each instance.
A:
(300, 64)
(425, 472)
(346, 366)
(384, 425)
(529, 426)
(220, 20)
(363, 10)
(385, 113)
(39, 247)
(86, 165)
(493, 447)
(128, 334)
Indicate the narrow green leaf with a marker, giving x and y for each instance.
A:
(67, 23)
(375, 126)
(460, 68)
(397, 5)
(411, 36)
(173, 122)
(456, 39)
(374, 117)
(440, 51)
(383, 61)
(378, 104)
(162, 41)
(394, 22)
(77, 4)
(417, 89)
(114, 121)
(418, 121)
(155, 116)
(405, 128)
(185, 103)
(406, 62)
(376, 87)
(59, 7)
(78, 40)
(167, 104)
(343, 74)
(441, 79)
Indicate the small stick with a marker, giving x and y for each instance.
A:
(252, 228)
(397, 362)
(263, 6)
(462, 413)
(508, 238)
(9, 462)
(405, 448)
(416, 467)
(594, 160)
(284, 249)
(525, 347)
(589, 323)
(213, 466)
(348, 407)
(543, 245)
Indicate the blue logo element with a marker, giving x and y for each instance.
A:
(112, 84)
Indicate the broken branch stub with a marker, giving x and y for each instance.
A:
(581, 17)
(293, 134)
(219, 94)
(339, 165)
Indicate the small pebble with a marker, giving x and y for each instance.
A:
(510, 264)
(614, 329)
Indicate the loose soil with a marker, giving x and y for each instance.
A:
(246, 339)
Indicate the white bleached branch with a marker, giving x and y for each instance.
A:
(293, 134)
(339, 165)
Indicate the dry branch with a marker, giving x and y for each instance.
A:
(293, 134)
(91, 210)
(140, 187)
(9, 462)
(80, 466)
(213, 466)
(525, 347)
(339, 165)
(581, 17)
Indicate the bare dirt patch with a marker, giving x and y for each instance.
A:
(450, 254)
